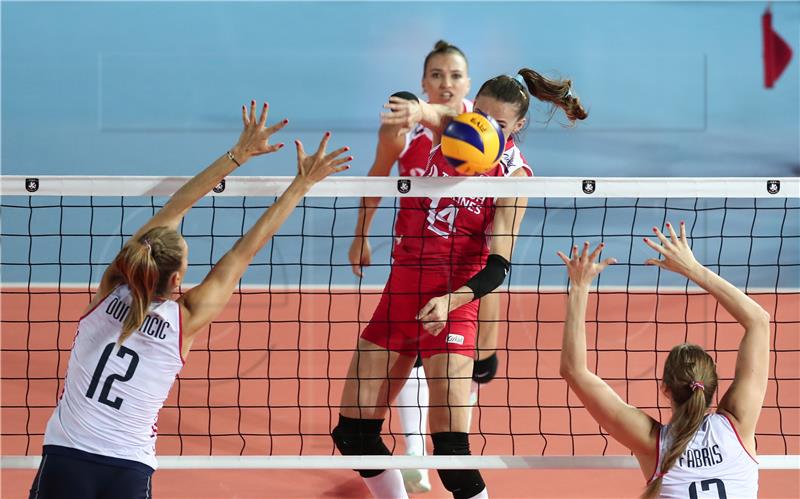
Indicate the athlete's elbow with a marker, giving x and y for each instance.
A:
(758, 319)
(568, 371)
(574, 371)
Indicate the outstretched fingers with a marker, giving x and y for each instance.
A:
(264, 112)
(301, 152)
(277, 126)
(274, 147)
(673, 237)
(655, 246)
(605, 263)
(585, 251)
(337, 152)
(252, 116)
(563, 257)
(596, 252)
(660, 236)
(339, 164)
(323, 144)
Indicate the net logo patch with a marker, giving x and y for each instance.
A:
(31, 184)
(455, 338)
(773, 186)
(219, 187)
(588, 186)
(403, 186)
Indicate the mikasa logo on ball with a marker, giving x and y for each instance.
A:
(455, 338)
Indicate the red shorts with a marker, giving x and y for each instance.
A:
(393, 325)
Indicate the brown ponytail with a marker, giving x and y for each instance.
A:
(691, 378)
(556, 92)
(146, 266)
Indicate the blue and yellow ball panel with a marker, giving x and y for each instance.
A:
(472, 143)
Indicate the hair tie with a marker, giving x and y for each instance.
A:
(697, 385)
(519, 79)
(660, 474)
(146, 242)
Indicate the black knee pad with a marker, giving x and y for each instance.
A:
(360, 437)
(484, 370)
(461, 483)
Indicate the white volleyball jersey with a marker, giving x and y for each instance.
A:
(714, 465)
(112, 393)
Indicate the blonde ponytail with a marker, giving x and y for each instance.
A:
(146, 266)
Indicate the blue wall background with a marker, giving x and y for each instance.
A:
(154, 88)
(674, 88)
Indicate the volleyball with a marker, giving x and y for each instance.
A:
(472, 143)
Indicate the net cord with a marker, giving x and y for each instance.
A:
(535, 187)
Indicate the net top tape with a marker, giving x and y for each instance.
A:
(351, 186)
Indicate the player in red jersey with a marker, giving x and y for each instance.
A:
(445, 80)
(443, 262)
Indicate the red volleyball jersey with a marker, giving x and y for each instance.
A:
(450, 235)
(415, 155)
(413, 159)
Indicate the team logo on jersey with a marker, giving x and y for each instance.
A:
(31, 184)
(455, 338)
(773, 186)
(403, 186)
(219, 187)
(588, 186)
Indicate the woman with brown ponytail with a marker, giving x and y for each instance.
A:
(698, 453)
(429, 307)
(133, 337)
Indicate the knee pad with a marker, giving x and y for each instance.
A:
(484, 370)
(461, 483)
(360, 437)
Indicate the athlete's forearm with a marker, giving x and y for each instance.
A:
(271, 220)
(573, 344)
(200, 185)
(743, 308)
(436, 116)
(366, 213)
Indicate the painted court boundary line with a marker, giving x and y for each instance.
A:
(767, 462)
(354, 288)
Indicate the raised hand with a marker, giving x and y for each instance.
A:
(404, 114)
(582, 268)
(319, 165)
(254, 139)
(676, 252)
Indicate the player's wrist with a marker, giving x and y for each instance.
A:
(579, 288)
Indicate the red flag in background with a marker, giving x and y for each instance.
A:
(777, 53)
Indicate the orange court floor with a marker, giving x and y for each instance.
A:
(268, 377)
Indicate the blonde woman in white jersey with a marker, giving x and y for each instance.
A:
(698, 454)
(133, 337)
